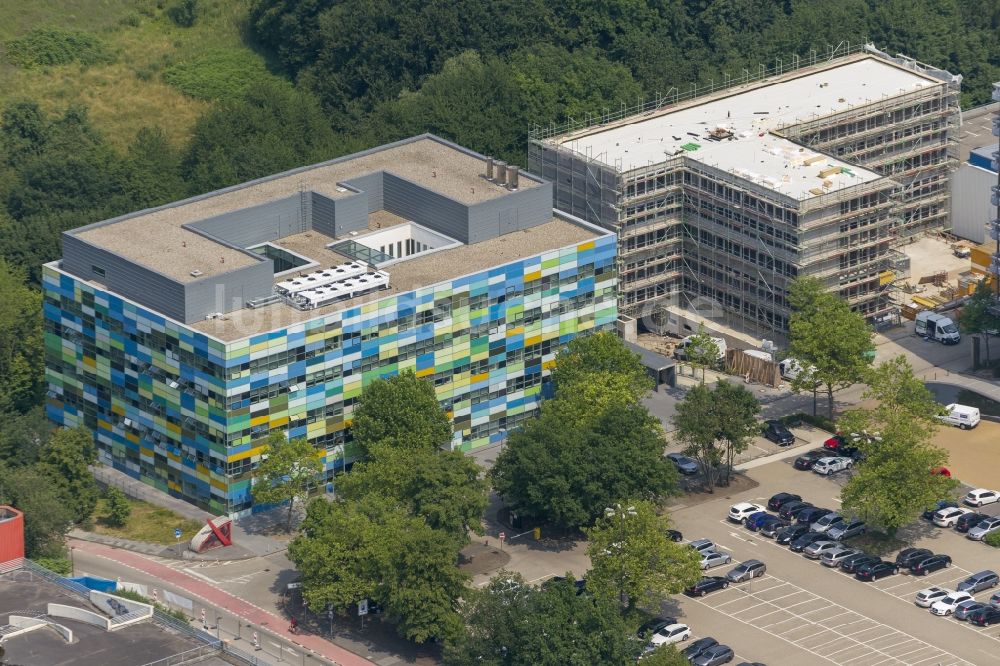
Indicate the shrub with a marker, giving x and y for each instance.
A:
(818, 421)
(184, 13)
(55, 46)
(217, 75)
(59, 565)
(992, 539)
(119, 508)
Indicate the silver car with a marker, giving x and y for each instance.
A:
(833, 558)
(826, 522)
(746, 571)
(710, 558)
(846, 529)
(978, 582)
(967, 608)
(985, 526)
(816, 549)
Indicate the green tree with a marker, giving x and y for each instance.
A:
(894, 386)
(976, 317)
(632, 557)
(25, 437)
(701, 351)
(665, 655)
(183, 12)
(825, 333)
(47, 514)
(605, 354)
(65, 460)
(119, 509)
(402, 413)
(153, 170)
(288, 472)
(736, 411)
(698, 430)
(21, 360)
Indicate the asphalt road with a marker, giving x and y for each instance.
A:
(801, 612)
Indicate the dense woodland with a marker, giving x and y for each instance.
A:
(343, 75)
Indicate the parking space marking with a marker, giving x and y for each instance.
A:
(857, 638)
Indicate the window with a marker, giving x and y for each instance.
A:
(98, 271)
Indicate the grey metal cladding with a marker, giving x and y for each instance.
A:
(324, 214)
(259, 224)
(143, 285)
(430, 209)
(515, 211)
(227, 292)
(371, 184)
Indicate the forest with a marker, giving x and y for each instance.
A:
(113, 106)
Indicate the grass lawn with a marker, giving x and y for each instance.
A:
(147, 523)
(130, 92)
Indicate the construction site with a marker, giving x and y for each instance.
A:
(721, 196)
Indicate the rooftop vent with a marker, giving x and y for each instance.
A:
(489, 168)
(195, 273)
(512, 177)
(501, 172)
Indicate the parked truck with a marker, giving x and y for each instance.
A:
(934, 326)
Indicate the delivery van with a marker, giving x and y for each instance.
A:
(963, 416)
(937, 327)
(680, 352)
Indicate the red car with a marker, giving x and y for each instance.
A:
(834, 442)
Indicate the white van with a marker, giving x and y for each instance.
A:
(963, 416)
(791, 368)
(937, 327)
(681, 354)
(757, 353)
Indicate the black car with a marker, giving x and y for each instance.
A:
(771, 527)
(654, 625)
(806, 460)
(790, 510)
(778, 433)
(985, 617)
(941, 504)
(928, 564)
(698, 646)
(876, 570)
(908, 556)
(854, 562)
(811, 515)
(787, 535)
(675, 536)
(781, 499)
(707, 584)
(800, 543)
(967, 521)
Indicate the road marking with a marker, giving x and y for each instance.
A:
(199, 575)
(737, 536)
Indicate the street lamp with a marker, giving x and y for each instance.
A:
(72, 561)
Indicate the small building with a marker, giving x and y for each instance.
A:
(971, 208)
(11, 534)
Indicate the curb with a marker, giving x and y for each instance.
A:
(147, 548)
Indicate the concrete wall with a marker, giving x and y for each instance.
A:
(138, 283)
(516, 211)
(79, 614)
(259, 224)
(430, 209)
(372, 185)
(970, 202)
(227, 292)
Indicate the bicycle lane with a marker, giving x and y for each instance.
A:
(233, 604)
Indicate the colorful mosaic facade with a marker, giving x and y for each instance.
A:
(187, 413)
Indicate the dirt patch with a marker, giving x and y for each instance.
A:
(738, 483)
(477, 558)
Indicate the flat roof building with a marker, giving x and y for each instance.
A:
(730, 194)
(183, 335)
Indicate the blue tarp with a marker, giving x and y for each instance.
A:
(99, 584)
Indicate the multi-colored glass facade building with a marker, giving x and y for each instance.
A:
(183, 336)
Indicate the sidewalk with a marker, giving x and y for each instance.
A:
(254, 615)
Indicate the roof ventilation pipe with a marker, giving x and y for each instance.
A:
(501, 172)
(489, 169)
(512, 175)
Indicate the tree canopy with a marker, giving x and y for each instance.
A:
(288, 472)
(402, 413)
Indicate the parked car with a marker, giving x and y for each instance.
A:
(826, 522)
(929, 564)
(780, 499)
(985, 526)
(817, 549)
(707, 584)
(776, 432)
(701, 545)
(792, 509)
(835, 442)
(675, 536)
(978, 582)
(685, 465)
(710, 559)
(995, 600)
(790, 533)
(981, 496)
(771, 528)
(876, 570)
(806, 460)
(940, 504)
(969, 520)
(714, 656)
(908, 556)
(801, 543)
(948, 604)
(832, 465)
(811, 515)
(672, 633)
(747, 570)
(653, 625)
(941, 471)
(854, 562)
(966, 608)
(846, 530)
(928, 596)
(739, 512)
(755, 520)
(984, 617)
(833, 558)
(698, 646)
(948, 517)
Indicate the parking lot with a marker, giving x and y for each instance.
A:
(801, 612)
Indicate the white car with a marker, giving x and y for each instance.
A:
(832, 464)
(949, 516)
(739, 512)
(672, 633)
(711, 559)
(926, 598)
(981, 496)
(947, 605)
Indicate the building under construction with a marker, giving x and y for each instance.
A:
(724, 195)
